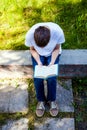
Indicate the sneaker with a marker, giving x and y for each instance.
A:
(40, 109)
(53, 109)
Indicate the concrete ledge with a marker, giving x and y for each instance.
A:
(73, 63)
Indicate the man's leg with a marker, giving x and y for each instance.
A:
(39, 87)
(52, 83)
(38, 83)
(51, 96)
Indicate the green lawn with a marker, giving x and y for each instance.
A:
(17, 16)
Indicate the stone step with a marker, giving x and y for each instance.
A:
(21, 124)
(55, 124)
(23, 57)
(18, 64)
(13, 96)
(46, 124)
(65, 96)
(15, 71)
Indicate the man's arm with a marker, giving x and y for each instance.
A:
(55, 53)
(35, 55)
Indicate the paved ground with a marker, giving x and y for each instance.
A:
(14, 98)
(55, 124)
(21, 124)
(65, 96)
(14, 94)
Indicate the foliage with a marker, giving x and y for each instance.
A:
(80, 99)
(17, 16)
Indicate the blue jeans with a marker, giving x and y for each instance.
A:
(51, 82)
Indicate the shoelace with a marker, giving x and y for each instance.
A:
(53, 105)
(41, 106)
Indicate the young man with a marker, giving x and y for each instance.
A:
(44, 40)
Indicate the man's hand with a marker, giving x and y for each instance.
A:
(51, 63)
(40, 64)
(36, 56)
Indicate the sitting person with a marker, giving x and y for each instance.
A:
(44, 40)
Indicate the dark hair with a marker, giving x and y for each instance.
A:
(42, 36)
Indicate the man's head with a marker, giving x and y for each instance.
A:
(42, 36)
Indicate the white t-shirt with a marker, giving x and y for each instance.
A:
(57, 37)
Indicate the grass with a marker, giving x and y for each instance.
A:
(8, 116)
(16, 17)
(80, 99)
